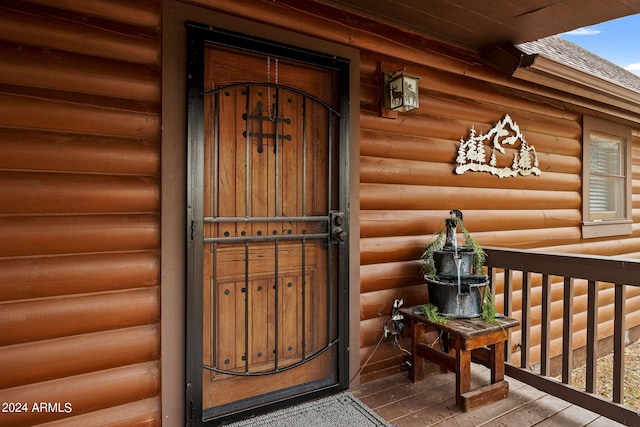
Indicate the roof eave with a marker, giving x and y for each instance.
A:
(538, 69)
(569, 77)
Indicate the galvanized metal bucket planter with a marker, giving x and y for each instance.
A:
(454, 288)
(455, 303)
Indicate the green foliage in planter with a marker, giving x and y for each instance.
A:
(488, 308)
(479, 256)
(428, 265)
(430, 311)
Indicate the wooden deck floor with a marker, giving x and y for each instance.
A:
(431, 403)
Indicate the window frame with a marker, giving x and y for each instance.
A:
(602, 227)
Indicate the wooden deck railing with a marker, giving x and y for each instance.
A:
(548, 268)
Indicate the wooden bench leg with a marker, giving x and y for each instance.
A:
(485, 395)
(497, 362)
(497, 390)
(416, 373)
(463, 373)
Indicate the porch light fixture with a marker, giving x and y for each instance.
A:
(401, 91)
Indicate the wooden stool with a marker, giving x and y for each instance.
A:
(466, 335)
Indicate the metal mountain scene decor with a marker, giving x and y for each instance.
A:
(472, 153)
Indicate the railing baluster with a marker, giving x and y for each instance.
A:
(525, 323)
(507, 291)
(592, 336)
(545, 324)
(618, 342)
(492, 273)
(567, 331)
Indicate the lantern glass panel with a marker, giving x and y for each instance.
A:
(403, 92)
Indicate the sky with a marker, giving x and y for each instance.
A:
(617, 41)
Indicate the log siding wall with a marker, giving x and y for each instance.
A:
(408, 185)
(79, 190)
(80, 211)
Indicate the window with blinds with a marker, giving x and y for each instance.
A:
(606, 172)
(606, 177)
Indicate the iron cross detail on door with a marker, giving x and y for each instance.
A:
(261, 134)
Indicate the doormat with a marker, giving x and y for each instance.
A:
(334, 411)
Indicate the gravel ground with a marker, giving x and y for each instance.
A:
(604, 382)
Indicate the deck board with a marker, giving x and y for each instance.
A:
(431, 402)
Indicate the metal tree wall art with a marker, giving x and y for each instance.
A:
(472, 153)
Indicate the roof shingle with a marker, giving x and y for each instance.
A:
(564, 52)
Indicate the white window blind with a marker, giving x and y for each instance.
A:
(606, 177)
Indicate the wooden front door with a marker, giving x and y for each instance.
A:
(272, 227)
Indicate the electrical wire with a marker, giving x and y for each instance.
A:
(386, 326)
(400, 347)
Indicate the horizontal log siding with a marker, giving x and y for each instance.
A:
(408, 185)
(79, 210)
(406, 164)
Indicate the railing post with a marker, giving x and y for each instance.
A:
(567, 331)
(508, 292)
(619, 342)
(592, 336)
(525, 323)
(507, 306)
(545, 325)
(492, 273)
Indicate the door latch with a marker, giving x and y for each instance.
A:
(337, 222)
